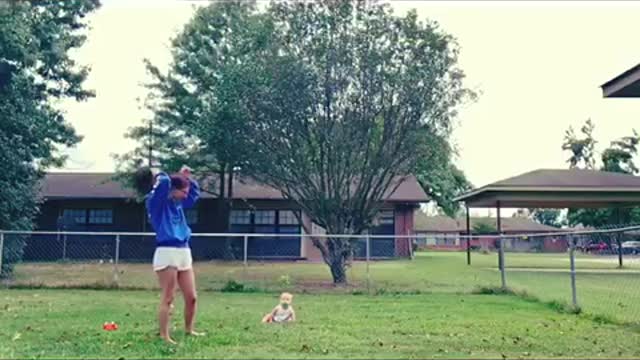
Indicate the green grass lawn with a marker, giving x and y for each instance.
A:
(603, 290)
(68, 323)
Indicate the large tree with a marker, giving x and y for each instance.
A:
(195, 120)
(343, 104)
(35, 70)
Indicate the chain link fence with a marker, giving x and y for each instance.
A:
(596, 271)
(249, 262)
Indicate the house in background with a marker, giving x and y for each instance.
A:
(95, 202)
(446, 233)
(437, 232)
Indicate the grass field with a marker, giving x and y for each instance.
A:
(424, 308)
(67, 323)
(603, 290)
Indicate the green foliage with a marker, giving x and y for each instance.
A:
(582, 149)
(35, 69)
(233, 286)
(618, 157)
(550, 217)
(195, 118)
(484, 228)
(439, 177)
(285, 280)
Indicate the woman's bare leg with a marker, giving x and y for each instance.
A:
(168, 278)
(187, 283)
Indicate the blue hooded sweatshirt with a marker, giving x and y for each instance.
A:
(167, 215)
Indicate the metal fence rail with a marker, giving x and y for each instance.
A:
(580, 269)
(119, 258)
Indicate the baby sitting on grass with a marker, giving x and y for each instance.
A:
(283, 312)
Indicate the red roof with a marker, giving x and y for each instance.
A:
(103, 186)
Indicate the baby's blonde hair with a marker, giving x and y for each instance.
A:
(286, 295)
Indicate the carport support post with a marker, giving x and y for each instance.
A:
(468, 236)
(617, 235)
(503, 276)
(572, 261)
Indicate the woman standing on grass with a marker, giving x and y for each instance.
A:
(172, 261)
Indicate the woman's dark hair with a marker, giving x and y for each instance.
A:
(143, 181)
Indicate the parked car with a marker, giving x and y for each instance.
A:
(631, 247)
(595, 247)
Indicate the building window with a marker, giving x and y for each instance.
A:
(289, 229)
(386, 223)
(192, 216)
(90, 216)
(102, 216)
(264, 221)
(76, 216)
(265, 217)
(386, 217)
(287, 217)
(240, 217)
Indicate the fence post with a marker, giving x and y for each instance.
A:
(64, 247)
(572, 262)
(245, 252)
(116, 278)
(1, 250)
(501, 263)
(368, 257)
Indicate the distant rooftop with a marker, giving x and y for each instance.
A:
(558, 188)
(57, 185)
(424, 223)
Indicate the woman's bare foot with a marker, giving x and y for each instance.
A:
(195, 333)
(168, 340)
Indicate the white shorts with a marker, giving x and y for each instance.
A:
(179, 258)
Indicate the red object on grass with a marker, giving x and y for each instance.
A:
(110, 326)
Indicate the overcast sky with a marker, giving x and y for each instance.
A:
(538, 66)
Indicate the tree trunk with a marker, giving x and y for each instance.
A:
(225, 212)
(337, 261)
(221, 221)
(235, 244)
(338, 271)
(334, 251)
